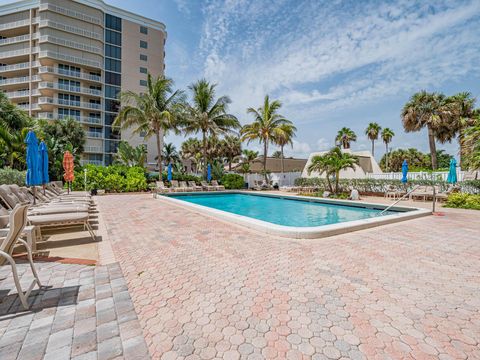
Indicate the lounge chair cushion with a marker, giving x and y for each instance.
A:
(75, 218)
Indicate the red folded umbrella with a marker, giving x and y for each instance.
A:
(68, 166)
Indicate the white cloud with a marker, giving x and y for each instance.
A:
(298, 149)
(323, 144)
(182, 6)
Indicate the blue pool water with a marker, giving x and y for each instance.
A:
(281, 211)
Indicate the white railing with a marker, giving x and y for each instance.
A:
(15, 39)
(23, 106)
(73, 103)
(285, 179)
(71, 44)
(19, 80)
(15, 24)
(82, 119)
(93, 162)
(421, 175)
(22, 93)
(93, 149)
(74, 74)
(69, 88)
(93, 134)
(69, 58)
(19, 52)
(70, 29)
(71, 13)
(19, 66)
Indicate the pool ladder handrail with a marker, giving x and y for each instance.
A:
(400, 199)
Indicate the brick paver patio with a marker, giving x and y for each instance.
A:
(204, 288)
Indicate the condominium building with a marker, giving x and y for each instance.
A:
(72, 58)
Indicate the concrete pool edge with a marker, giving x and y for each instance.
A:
(406, 213)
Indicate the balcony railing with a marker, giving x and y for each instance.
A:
(74, 74)
(71, 13)
(19, 80)
(16, 39)
(22, 93)
(71, 103)
(93, 134)
(70, 29)
(15, 24)
(69, 88)
(71, 44)
(69, 58)
(82, 119)
(19, 66)
(93, 149)
(19, 52)
(92, 162)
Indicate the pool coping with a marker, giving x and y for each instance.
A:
(312, 232)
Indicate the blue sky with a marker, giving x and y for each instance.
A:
(331, 63)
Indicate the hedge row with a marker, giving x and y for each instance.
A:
(12, 176)
(115, 178)
(380, 186)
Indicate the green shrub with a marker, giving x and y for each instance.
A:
(12, 176)
(463, 201)
(115, 178)
(233, 181)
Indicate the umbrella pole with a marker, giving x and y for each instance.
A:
(34, 194)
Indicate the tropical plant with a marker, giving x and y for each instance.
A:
(230, 148)
(283, 137)
(128, 155)
(12, 176)
(191, 149)
(59, 136)
(217, 170)
(373, 131)
(331, 163)
(277, 154)
(345, 137)
(233, 181)
(470, 140)
(387, 136)
(208, 115)
(170, 154)
(154, 112)
(266, 126)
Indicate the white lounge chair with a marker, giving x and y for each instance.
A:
(17, 222)
(217, 185)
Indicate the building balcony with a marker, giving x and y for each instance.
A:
(26, 107)
(15, 24)
(22, 93)
(69, 58)
(93, 149)
(19, 66)
(70, 44)
(71, 103)
(19, 80)
(82, 119)
(17, 39)
(70, 29)
(19, 52)
(68, 88)
(71, 13)
(84, 162)
(95, 135)
(68, 73)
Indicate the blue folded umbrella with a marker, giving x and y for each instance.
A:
(169, 173)
(209, 173)
(33, 164)
(43, 163)
(452, 172)
(404, 171)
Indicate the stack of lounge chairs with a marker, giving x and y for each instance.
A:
(425, 193)
(187, 186)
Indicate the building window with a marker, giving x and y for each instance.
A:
(113, 22)
(143, 44)
(113, 37)
(143, 70)
(113, 78)
(143, 82)
(111, 92)
(144, 30)
(143, 57)
(113, 65)
(113, 51)
(112, 105)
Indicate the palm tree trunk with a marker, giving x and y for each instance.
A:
(204, 155)
(265, 150)
(337, 175)
(433, 147)
(159, 152)
(373, 148)
(386, 156)
(283, 167)
(328, 182)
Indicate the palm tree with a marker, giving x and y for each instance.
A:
(372, 131)
(345, 136)
(284, 136)
(277, 154)
(387, 136)
(331, 164)
(430, 110)
(191, 149)
(154, 112)
(208, 116)
(130, 156)
(471, 143)
(231, 148)
(170, 154)
(266, 126)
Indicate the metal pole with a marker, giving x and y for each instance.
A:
(85, 178)
(434, 195)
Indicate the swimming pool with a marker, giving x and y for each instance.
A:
(293, 216)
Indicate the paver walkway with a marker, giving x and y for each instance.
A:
(204, 288)
(84, 313)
